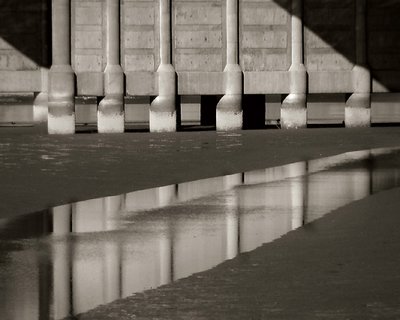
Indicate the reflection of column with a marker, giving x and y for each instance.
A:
(232, 232)
(61, 116)
(294, 112)
(62, 262)
(112, 271)
(297, 197)
(112, 250)
(110, 115)
(229, 109)
(163, 108)
(62, 219)
(358, 106)
(112, 209)
(166, 270)
(232, 214)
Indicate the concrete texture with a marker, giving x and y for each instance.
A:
(199, 38)
(344, 266)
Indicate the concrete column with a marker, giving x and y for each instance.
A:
(294, 112)
(229, 109)
(358, 106)
(61, 116)
(163, 108)
(41, 99)
(110, 114)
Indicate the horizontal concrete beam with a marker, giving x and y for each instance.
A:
(20, 81)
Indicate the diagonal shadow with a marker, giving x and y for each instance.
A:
(25, 37)
(24, 34)
(333, 22)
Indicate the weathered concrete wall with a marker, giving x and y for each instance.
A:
(329, 44)
(265, 45)
(199, 45)
(140, 45)
(383, 44)
(24, 43)
(198, 40)
(88, 45)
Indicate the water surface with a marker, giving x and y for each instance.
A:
(69, 259)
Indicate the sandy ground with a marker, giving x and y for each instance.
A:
(343, 266)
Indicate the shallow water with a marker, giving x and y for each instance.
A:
(72, 258)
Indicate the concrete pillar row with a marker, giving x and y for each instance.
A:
(110, 113)
(162, 116)
(358, 106)
(61, 114)
(229, 114)
(294, 111)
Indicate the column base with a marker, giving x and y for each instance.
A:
(162, 115)
(61, 118)
(40, 107)
(357, 112)
(229, 113)
(110, 115)
(294, 112)
(162, 121)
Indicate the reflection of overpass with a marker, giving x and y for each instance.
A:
(96, 251)
(177, 58)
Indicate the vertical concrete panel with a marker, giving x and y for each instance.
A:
(264, 35)
(88, 45)
(140, 45)
(383, 52)
(198, 38)
(329, 35)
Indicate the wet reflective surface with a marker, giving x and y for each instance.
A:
(69, 259)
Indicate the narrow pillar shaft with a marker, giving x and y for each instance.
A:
(113, 32)
(163, 108)
(294, 112)
(358, 106)
(229, 109)
(110, 115)
(61, 117)
(61, 26)
(297, 32)
(232, 24)
(165, 31)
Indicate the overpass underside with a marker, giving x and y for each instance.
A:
(214, 61)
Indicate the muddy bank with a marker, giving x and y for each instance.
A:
(39, 171)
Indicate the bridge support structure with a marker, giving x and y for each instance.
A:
(110, 114)
(61, 115)
(229, 114)
(162, 116)
(294, 111)
(358, 106)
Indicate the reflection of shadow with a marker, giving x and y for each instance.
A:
(105, 249)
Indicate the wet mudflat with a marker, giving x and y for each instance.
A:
(71, 258)
(344, 267)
